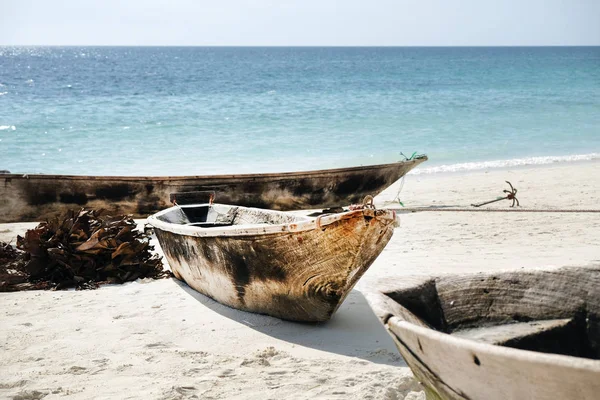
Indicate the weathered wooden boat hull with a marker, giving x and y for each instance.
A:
(37, 197)
(515, 335)
(301, 270)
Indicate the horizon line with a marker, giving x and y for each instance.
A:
(294, 46)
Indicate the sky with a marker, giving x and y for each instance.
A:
(300, 22)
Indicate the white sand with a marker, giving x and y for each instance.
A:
(159, 339)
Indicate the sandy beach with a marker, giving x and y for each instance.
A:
(162, 340)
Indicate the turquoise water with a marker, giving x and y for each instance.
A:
(198, 110)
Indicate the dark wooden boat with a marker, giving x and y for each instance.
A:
(513, 335)
(37, 197)
(272, 262)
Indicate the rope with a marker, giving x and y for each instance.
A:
(367, 203)
(412, 157)
(397, 198)
(318, 221)
(436, 209)
(511, 195)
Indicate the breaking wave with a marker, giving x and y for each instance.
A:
(7, 127)
(473, 166)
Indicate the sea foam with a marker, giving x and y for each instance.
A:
(516, 162)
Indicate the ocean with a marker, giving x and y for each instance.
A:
(207, 110)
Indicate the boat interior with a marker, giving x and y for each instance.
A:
(544, 312)
(220, 215)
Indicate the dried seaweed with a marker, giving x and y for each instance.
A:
(81, 250)
(12, 267)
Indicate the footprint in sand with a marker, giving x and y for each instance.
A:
(225, 373)
(30, 395)
(281, 371)
(181, 392)
(101, 362)
(349, 382)
(121, 316)
(157, 345)
(12, 385)
(194, 372)
(76, 370)
(123, 367)
(258, 361)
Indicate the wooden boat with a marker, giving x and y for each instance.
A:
(514, 335)
(37, 197)
(272, 262)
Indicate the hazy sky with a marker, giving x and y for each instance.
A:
(300, 22)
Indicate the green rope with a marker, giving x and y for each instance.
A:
(412, 157)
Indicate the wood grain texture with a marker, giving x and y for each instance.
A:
(37, 197)
(455, 368)
(516, 296)
(295, 275)
(504, 308)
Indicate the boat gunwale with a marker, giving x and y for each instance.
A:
(303, 225)
(268, 175)
(494, 350)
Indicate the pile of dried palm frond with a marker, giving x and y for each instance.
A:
(12, 267)
(80, 250)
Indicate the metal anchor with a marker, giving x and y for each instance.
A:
(511, 195)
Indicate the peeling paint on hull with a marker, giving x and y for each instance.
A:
(299, 272)
(37, 197)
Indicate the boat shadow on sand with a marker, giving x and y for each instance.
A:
(353, 331)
